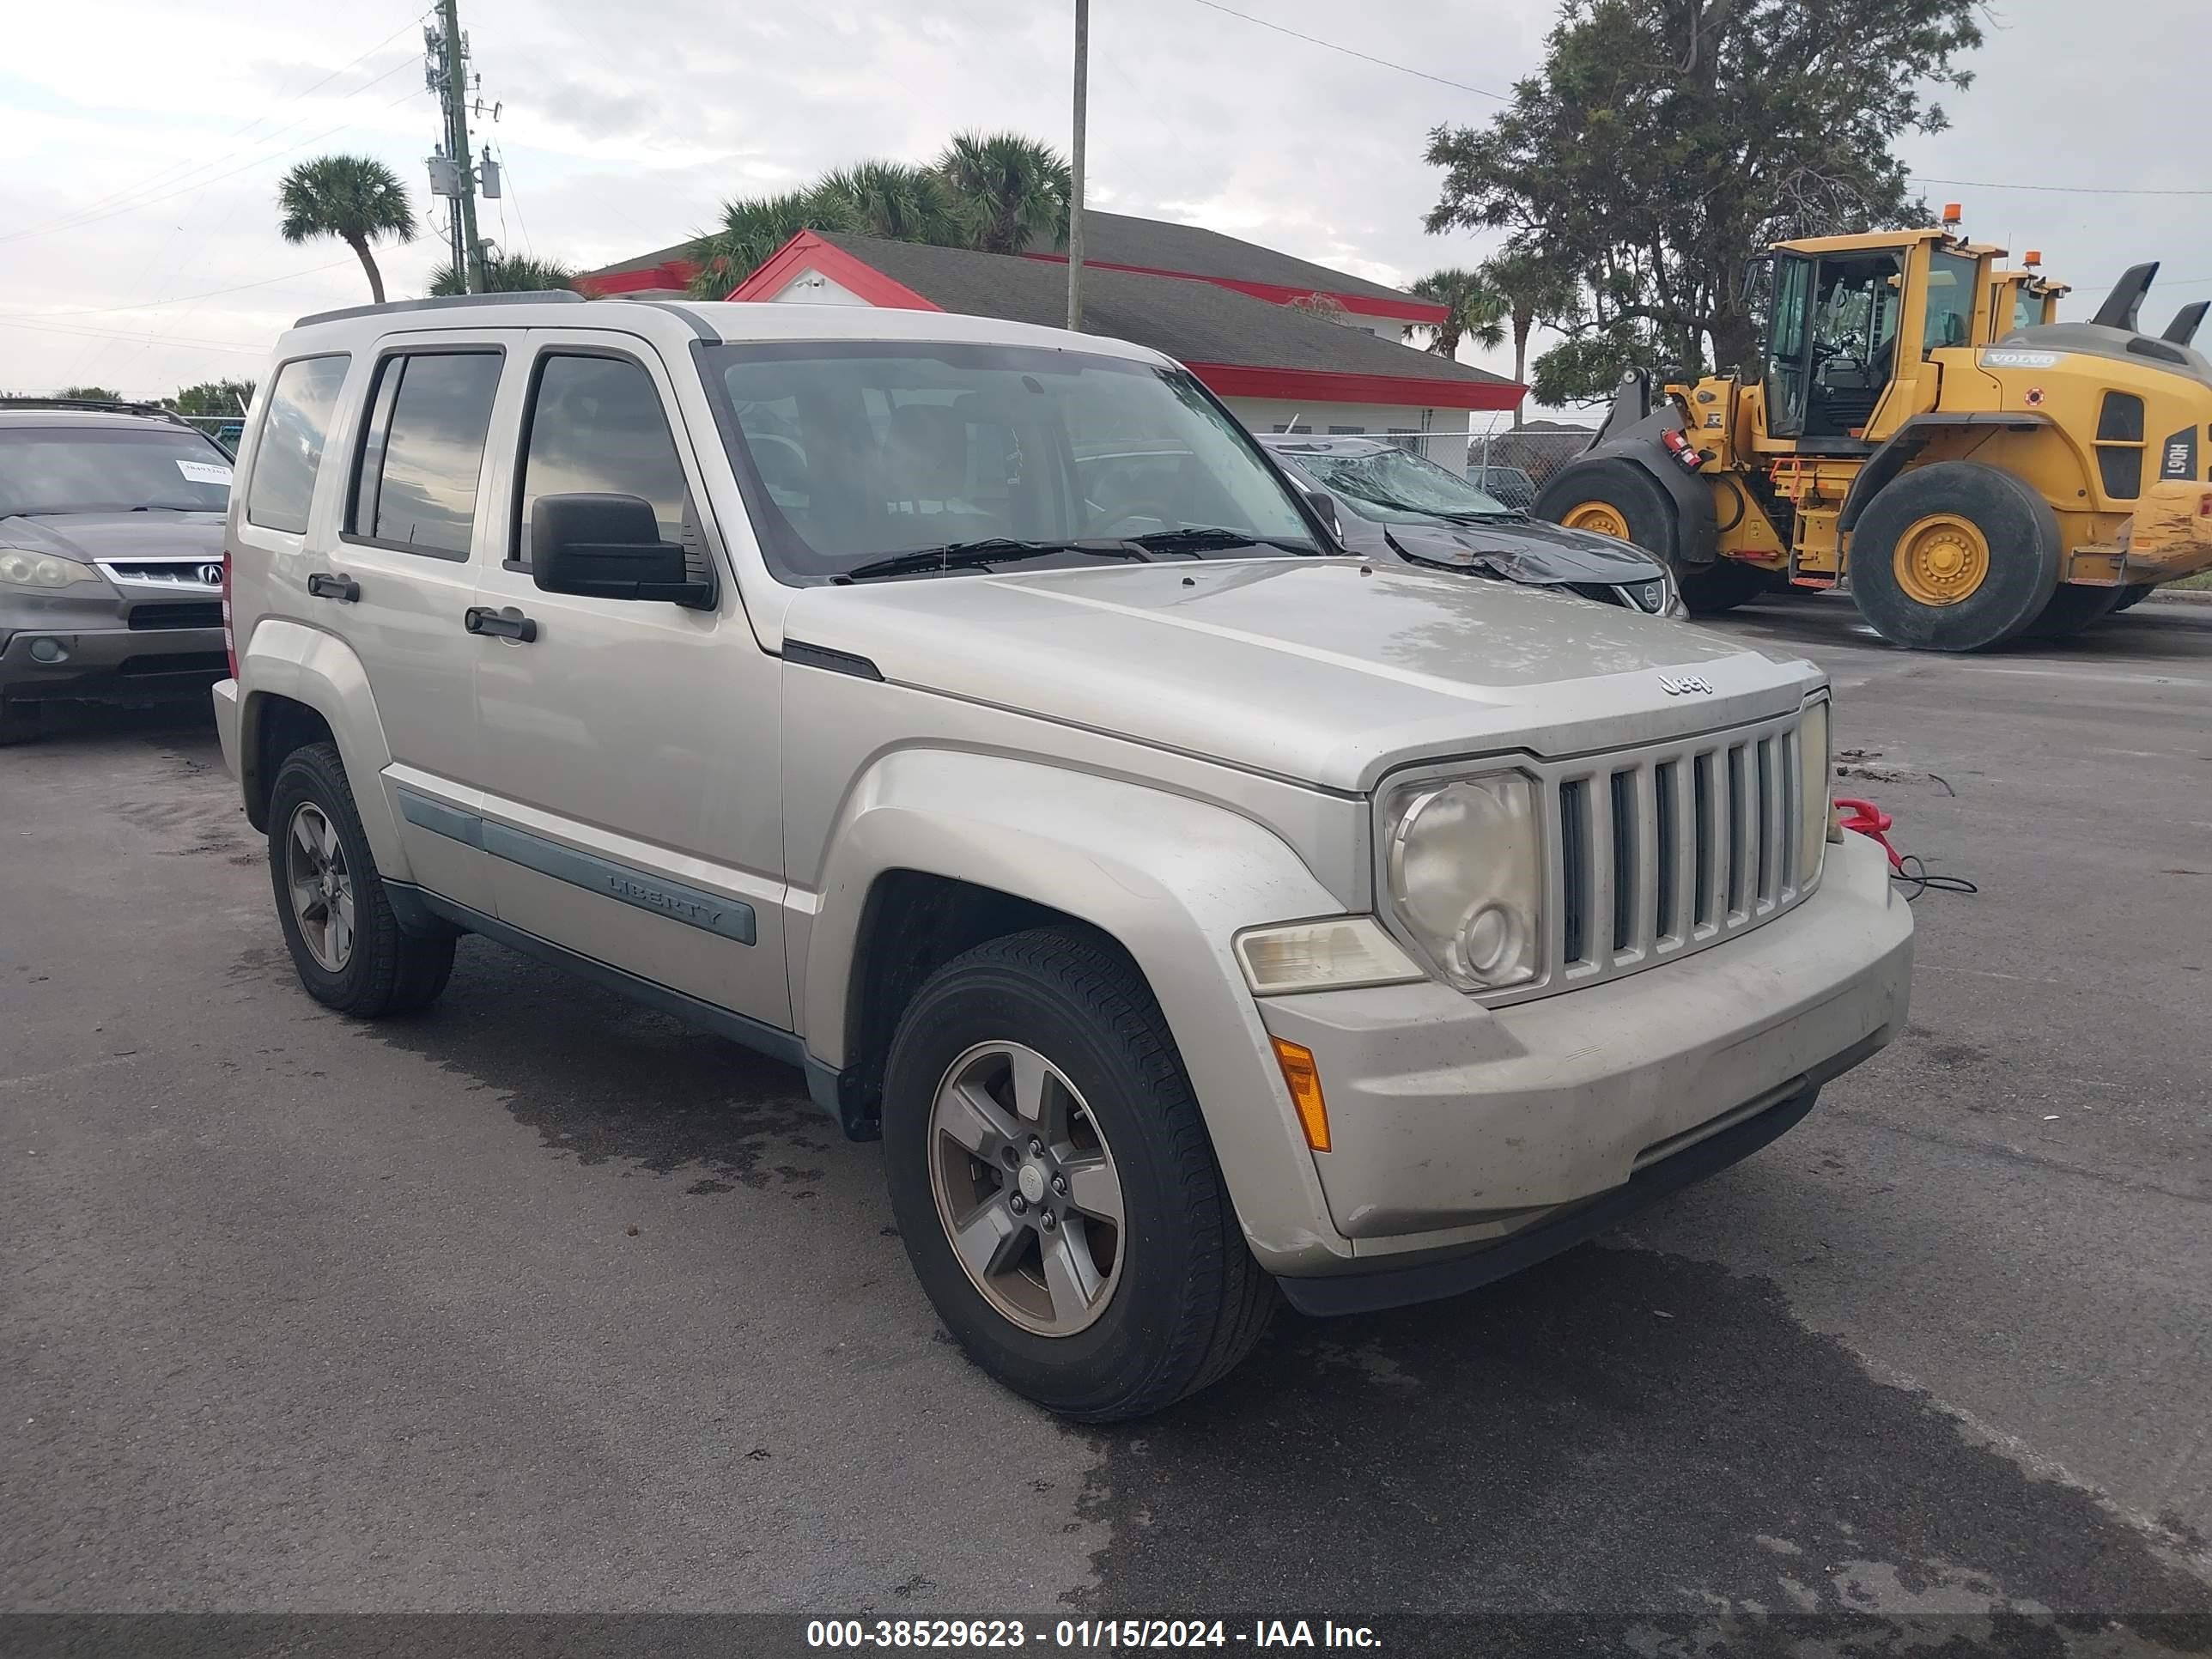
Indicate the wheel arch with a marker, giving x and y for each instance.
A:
(303, 685)
(954, 847)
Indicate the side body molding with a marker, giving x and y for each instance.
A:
(1172, 878)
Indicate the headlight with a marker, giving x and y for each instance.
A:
(21, 567)
(1465, 876)
(1321, 956)
(1813, 787)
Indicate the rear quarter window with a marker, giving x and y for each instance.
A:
(290, 453)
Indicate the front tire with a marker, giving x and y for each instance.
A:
(1955, 556)
(1035, 1078)
(349, 950)
(2134, 594)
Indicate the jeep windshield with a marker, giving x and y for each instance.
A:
(1389, 484)
(868, 458)
(117, 468)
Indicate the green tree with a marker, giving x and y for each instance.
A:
(89, 394)
(898, 203)
(1534, 292)
(505, 273)
(753, 227)
(355, 198)
(1664, 142)
(1012, 191)
(1473, 310)
(213, 398)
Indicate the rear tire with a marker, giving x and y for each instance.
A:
(2134, 594)
(1955, 556)
(2072, 609)
(367, 966)
(1174, 1298)
(1710, 589)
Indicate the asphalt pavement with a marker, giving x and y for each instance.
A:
(542, 1303)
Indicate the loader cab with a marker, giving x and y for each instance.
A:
(1849, 315)
(2022, 299)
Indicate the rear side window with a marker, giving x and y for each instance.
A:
(290, 452)
(596, 424)
(423, 452)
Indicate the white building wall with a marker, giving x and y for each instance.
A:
(811, 288)
(1442, 432)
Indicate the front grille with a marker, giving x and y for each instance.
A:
(1603, 593)
(163, 573)
(1665, 849)
(178, 613)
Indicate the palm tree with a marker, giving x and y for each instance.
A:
(355, 198)
(507, 273)
(1473, 310)
(1012, 189)
(898, 203)
(1533, 291)
(753, 227)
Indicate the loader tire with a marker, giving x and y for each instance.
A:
(1955, 556)
(1615, 498)
(2134, 594)
(2072, 609)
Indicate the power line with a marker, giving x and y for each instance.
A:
(1314, 39)
(2059, 190)
(261, 350)
(243, 166)
(185, 169)
(185, 183)
(181, 298)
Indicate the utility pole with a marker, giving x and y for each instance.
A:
(450, 77)
(1075, 171)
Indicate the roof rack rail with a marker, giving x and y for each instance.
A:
(98, 406)
(534, 297)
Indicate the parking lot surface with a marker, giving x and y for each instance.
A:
(541, 1302)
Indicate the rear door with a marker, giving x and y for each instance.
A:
(415, 524)
(630, 755)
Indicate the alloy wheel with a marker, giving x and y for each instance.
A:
(321, 887)
(1026, 1188)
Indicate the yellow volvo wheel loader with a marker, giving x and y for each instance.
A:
(1976, 481)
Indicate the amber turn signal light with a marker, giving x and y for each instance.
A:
(1304, 1078)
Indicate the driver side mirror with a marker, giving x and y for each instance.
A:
(608, 547)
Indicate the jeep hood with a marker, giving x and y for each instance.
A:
(1312, 669)
(84, 537)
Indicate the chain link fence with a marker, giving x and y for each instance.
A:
(1514, 462)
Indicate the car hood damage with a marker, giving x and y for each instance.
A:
(1524, 551)
(1320, 670)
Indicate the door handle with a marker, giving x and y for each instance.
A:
(324, 585)
(507, 624)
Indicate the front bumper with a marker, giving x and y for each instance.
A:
(109, 662)
(1456, 1128)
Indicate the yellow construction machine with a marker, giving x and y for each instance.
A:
(1921, 427)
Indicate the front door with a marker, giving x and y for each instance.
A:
(631, 755)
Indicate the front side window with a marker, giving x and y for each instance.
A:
(423, 453)
(1950, 302)
(1391, 484)
(110, 469)
(852, 454)
(596, 424)
(291, 452)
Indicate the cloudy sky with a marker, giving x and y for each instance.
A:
(141, 140)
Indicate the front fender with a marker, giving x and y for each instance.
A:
(286, 659)
(1172, 878)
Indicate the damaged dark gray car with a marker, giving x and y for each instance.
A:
(1388, 503)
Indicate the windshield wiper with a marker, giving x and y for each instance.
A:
(1198, 538)
(983, 553)
(1504, 515)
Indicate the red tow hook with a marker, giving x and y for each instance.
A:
(1870, 821)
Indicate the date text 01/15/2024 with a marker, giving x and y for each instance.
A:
(1084, 1633)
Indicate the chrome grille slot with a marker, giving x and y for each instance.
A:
(1666, 849)
(162, 572)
